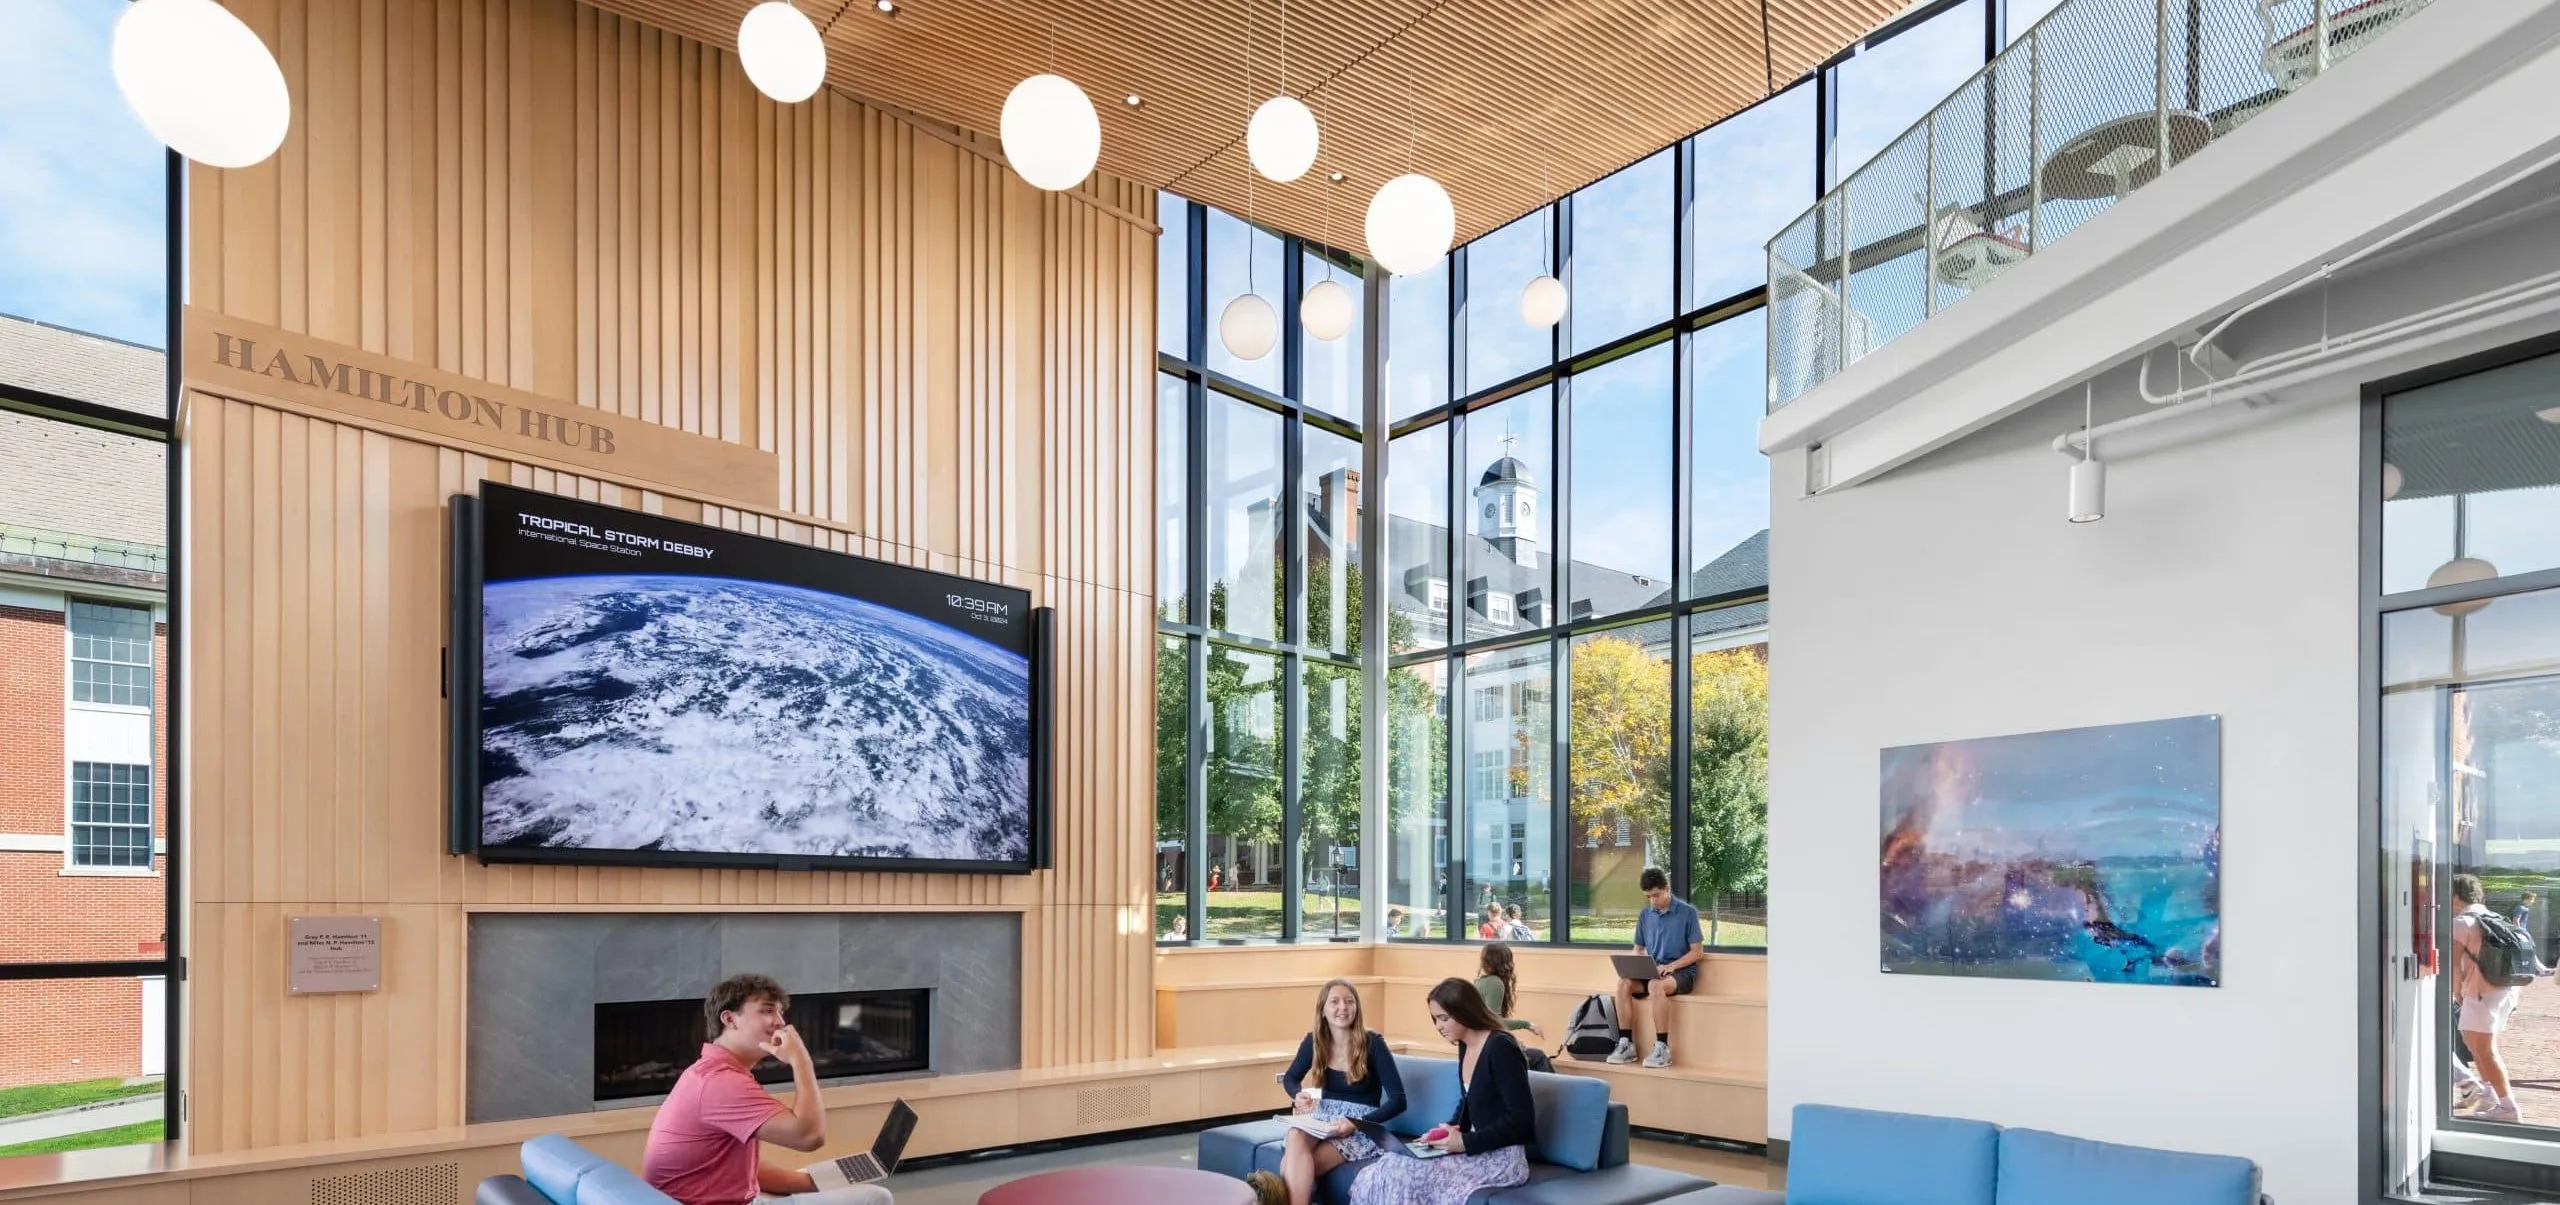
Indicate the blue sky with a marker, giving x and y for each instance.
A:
(82, 184)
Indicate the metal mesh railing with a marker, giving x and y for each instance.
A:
(17, 540)
(2090, 105)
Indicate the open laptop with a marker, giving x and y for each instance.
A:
(1393, 1143)
(874, 1165)
(1639, 967)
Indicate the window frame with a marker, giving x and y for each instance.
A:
(168, 750)
(72, 824)
(1204, 388)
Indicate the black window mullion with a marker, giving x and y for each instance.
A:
(1196, 787)
(1293, 619)
(1293, 286)
(1461, 792)
(1559, 791)
(1681, 881)
(1684, 584)
(1195, 658)
(1196, 303)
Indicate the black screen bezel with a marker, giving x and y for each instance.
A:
(468, 524)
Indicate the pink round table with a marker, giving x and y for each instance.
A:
(1121, 1186)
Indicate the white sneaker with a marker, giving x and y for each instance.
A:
(2504, 1110)
(1661, 1056)
(1625, 1053)
(2467, 1094)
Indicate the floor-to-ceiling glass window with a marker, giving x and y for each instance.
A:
(1575, 552)
(2465, 583)
(88, 656)
(1258, 592)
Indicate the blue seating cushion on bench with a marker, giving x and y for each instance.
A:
(1862, 1157)
(1729, 1194)
(2042, 1168)
(553, 1165)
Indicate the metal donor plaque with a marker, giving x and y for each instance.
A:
(334, 954)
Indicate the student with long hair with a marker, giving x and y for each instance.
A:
(1488, 1138)
(1499, 985)
(1342, 1071)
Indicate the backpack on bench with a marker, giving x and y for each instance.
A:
(1593, 1032)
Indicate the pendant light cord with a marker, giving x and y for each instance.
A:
(2089, 420)
(1284, 47)
(1249, 172)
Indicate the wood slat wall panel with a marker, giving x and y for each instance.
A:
(952, 368)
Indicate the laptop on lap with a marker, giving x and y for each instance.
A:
(874, 1165)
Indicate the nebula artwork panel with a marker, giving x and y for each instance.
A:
(2088, 854)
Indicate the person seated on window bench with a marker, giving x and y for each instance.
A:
(1497, 983)
(1669, 932)
(704, 1145)
(1487, 1138)
(1342, 1071)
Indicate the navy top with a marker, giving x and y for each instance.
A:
(1383, 1090)
(1494, 1109)
(1667, 935)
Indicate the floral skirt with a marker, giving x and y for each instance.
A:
(1447, 1180)
(1354, 1146)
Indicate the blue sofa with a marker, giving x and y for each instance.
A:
(1580, 1157)
(558, 1171)
(1860, 1157)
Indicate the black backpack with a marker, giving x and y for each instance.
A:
(2506, 957)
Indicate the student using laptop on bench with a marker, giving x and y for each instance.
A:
(1670, 939)
(704, 1145)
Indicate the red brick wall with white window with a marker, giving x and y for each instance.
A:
(47, 915)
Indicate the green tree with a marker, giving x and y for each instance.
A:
(1620, 743)
(1728, 775)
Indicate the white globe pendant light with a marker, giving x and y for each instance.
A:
(1249, 327)
(784, 57)
(1410, 224)
(1326, 311)
(1542, 302)
(1282, 139)
(2392, 480)
(201, 81)
(1050, 132)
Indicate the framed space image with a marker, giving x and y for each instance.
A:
(2089, 854)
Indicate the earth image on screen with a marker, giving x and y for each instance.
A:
(702, 714)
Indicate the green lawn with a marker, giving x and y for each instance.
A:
(45, 1098)
(140, 1131)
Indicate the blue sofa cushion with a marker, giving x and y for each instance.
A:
(1573, 1115)
(1430, 1093)
(553, 1165)
(1860, 1157)
(2040, 1168)
(1230, 1150)
(613, 1184)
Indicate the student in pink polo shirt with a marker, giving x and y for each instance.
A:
(703, 1146)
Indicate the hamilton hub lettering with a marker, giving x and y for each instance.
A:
(389, 389)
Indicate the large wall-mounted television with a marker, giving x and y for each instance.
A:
(630, 689)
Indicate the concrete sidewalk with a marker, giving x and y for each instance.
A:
(40, 1126)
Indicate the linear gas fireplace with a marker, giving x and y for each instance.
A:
(643, 1045)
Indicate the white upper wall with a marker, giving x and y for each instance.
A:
(1948, 598)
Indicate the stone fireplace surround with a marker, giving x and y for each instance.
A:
(535, 979)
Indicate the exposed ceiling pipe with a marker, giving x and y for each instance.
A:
(2330, 268)
(2253, 384)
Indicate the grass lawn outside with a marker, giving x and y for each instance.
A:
(1256, 914)
(125, 1135)
(45, 1098)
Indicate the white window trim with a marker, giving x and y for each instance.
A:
(159, 844)
(1497, 607)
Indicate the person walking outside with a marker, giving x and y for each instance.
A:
(2482, 1006)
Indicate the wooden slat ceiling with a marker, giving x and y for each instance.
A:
(1508, 97)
